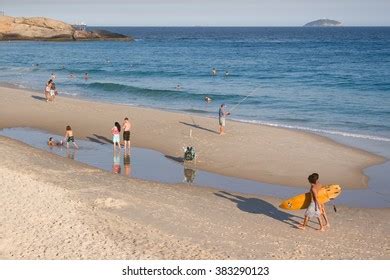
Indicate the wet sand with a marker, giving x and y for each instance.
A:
(261, 153)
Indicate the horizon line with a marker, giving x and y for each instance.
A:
(236, 26)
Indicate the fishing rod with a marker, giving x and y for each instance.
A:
(246, 97)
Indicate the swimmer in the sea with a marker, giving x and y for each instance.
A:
(207, 99)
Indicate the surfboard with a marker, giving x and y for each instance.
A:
(302, 201)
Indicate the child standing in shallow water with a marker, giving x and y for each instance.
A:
(69, 137)
(315, 208)
(116, 130)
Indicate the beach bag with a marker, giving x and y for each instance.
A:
(189, 154)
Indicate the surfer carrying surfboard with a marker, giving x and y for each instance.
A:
(315, 209)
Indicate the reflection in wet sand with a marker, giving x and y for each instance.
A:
(71, 153)
(127, 164)
(116, 166)
(189, 175)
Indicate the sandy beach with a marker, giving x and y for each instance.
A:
(260, 153)
(56, 208)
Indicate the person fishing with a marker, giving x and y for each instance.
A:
(222, 119)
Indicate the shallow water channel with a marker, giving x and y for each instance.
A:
(152, 165)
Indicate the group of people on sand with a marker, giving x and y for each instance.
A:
(115, 131)
(116, 137)
(116, 140)
(50, 90)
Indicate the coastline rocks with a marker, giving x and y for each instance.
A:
(323, 23)
(40, 28)
(98, 35)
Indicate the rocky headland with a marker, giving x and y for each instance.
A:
(45, 29)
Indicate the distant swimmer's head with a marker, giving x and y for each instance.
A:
(68, 128)
(313, 178)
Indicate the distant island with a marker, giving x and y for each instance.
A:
(46, 29)
(323, 23)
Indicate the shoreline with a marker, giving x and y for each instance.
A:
(327, 133)
(204, 132)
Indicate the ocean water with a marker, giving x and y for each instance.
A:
(332, 81)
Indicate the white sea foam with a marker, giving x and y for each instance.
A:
(69, 93)
(21, 86)
(320, 131)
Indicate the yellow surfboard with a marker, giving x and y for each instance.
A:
(302, 201)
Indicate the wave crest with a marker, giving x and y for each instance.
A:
(332, 132)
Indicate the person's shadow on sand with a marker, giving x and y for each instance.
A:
(199, 127)
(100, 139)
(177, 159)
(259, 206)
(38, 97)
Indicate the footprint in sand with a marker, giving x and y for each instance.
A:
(110, 203)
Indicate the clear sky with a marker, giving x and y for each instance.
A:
(204, 12)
